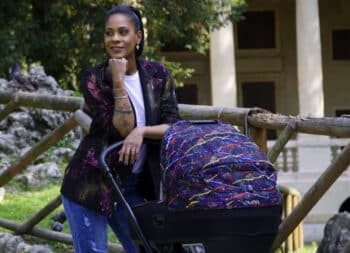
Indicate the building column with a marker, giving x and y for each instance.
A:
(309, 60)
(314, 151)
(222, 67)
(314, 154)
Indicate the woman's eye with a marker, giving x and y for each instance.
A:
(123, 31)
(108, 33)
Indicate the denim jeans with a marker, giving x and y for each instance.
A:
(89, 229)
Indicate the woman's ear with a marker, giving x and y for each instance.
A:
(139, 37)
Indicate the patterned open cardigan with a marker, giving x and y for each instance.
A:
(84, 181)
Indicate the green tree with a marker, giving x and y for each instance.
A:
(66, 36)
(186, 24)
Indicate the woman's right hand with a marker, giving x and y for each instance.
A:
(118, 68)
(129, 153)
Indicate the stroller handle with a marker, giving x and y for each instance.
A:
(120, 196)
(105, 152)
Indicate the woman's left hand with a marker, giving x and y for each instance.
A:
(129, 153)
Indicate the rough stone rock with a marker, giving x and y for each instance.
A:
(40, 174)
(3, 123)
(23, 118)
(38, 78)
(63, 154)
(3, 84)
(24, 150)
(27, 126)
(4, 237)
(25, 248)
(4, 162)
(12, 243)
(21, 136)
(336, 235)
(7, 144)
(15, 244)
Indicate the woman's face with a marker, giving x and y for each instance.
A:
(120, 36)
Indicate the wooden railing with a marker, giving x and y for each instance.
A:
(288, 159)
(254, 119)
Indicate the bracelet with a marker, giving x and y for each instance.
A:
(121, 97)
(123, 111)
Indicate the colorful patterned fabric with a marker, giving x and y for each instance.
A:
(215, 166)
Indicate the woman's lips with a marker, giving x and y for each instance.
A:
(116, 49)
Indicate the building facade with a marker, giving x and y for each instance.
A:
(294, 51)
(290, 57)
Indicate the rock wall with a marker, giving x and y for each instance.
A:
(26, 126)
(15, 244)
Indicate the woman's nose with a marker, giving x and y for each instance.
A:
(116, 37)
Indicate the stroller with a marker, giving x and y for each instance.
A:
(164, 227)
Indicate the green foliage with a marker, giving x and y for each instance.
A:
(20, 206)
(178, 73)
(186, 24)
(66, 37)
(310, 248)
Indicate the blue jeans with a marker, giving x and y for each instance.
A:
(89, 229)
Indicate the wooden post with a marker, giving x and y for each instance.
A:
(259, 137)
(298, 232)
(288, 210)
(339, 126)
(39, 216)
(336, 126)
(37, 150)
(10, 107)
(282, 140)
(44, 101)
(83, 120)
(290, 198)
(313, 195)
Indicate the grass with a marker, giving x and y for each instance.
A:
(309, 248)
(20, 205)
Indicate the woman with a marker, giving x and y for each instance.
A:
(129, 99)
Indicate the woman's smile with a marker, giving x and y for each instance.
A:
(117, 49)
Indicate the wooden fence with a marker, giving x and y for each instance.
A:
(255, 120)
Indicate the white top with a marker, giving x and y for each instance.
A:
(133, 87)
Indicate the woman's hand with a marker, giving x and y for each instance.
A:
(118, 67)
(130, 151)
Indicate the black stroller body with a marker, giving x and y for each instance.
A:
(156, 228)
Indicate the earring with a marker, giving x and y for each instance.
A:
(137, 47)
